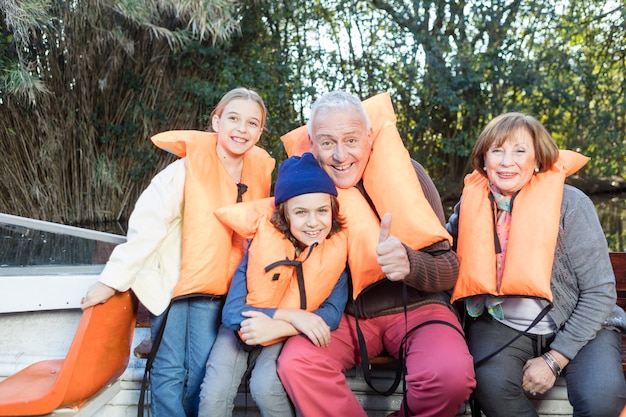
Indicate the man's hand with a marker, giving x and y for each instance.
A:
(96, 294)
(392, 256)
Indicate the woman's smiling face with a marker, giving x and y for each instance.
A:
(511, 165)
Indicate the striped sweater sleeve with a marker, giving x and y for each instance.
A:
(436, 267)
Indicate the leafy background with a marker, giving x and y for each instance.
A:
(84, 84)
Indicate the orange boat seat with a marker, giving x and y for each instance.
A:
(97, 356)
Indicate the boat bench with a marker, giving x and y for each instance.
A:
(618, 260)
(552, 403)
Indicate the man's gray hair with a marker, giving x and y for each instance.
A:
(337, 100)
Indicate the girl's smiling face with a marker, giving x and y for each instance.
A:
(239, 127)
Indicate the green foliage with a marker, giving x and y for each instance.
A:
(88, 83)
(86, 86)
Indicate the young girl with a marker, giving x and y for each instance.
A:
(290, 282)
(181, 270)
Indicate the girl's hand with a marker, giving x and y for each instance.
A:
(97, 293)
(311, 325)
(260, 328)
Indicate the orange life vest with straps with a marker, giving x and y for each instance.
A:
(210, 251)
(392, 184)
(534, 228)
(274, 278)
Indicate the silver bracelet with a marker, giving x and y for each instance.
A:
(553, 364)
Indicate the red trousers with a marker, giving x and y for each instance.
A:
(440, 371)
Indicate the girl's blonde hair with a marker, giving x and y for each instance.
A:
(237, 94)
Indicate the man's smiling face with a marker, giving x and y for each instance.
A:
(341, 144)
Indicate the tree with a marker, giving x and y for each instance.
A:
(81, 89)
(452, 66)
(83, 86)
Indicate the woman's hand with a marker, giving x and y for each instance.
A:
(538, 376)
(97, 293)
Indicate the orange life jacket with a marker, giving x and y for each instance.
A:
(272, 277)
(532, 237)
(210, 251)
(392, 184)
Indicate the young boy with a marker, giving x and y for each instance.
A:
(291, 282)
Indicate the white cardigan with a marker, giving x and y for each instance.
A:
(149, 261)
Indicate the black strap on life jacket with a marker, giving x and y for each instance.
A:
(241, 188)
(299, 273)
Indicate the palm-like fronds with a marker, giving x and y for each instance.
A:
(84, 84)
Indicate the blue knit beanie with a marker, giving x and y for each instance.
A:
(301, 175)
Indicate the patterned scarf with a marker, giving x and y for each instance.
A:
(476, 305)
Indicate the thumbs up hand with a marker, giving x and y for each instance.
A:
(392, 256)
(385, 228)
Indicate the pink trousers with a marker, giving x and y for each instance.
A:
(440, 371)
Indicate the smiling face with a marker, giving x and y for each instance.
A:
(511, 165)
(341, 143)
(310, 217)
(238, 127)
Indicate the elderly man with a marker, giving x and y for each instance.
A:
(397, 243)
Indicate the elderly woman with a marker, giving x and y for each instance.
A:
(535, 279)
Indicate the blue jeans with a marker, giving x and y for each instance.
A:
(178, 368)
(595, 380)
(227, 365)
